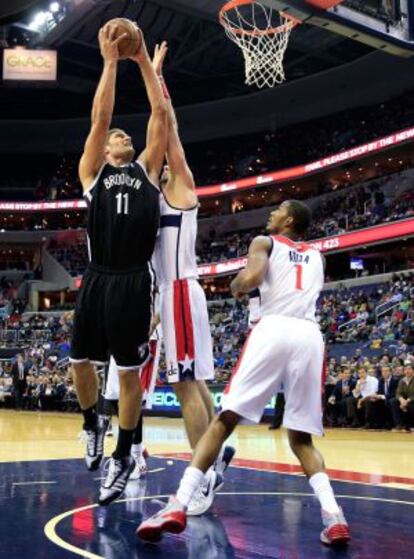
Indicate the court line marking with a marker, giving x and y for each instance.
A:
(50, 527)
(33, 482)
(279, 468)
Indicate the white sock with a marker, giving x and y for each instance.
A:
(191, 480)
(136, 449)
(322, 488)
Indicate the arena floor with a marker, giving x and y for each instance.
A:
(265, 510)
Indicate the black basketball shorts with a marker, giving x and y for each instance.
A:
(112, 317)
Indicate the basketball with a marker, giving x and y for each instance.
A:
(131, 44)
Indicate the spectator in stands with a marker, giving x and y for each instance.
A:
(378, 408)
(403, 404)
(366, 386)
(336, 412)
(20, 370)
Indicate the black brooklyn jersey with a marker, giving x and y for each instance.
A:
(123, 217)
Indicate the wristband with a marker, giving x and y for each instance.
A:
(164, 88)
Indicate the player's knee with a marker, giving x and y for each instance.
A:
(298, 440)
(187, 392)
(229, 420)
(129, 379)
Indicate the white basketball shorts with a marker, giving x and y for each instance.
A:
(148, 375)
(280, 351)
(186, 330)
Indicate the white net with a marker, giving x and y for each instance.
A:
(263, 35)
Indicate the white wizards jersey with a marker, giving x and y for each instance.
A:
(174, 255)
(293, 281)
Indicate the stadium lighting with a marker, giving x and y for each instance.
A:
(54, 7)
(39, 20)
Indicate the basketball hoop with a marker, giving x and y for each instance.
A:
(263, 34)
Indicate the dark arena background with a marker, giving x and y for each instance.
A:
(338, 134)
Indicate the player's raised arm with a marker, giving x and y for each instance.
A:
(153, 155)
(103, 105)
(181, 175)
(254, 272)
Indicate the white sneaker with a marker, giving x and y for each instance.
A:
(141, 467)
(116, 479)
(94, 448)
(204, 496)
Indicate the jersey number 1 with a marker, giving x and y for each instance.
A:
(299, 269)
(122, 203)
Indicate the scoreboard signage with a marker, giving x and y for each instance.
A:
(165, 400)
(22, 64)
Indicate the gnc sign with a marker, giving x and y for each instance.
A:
(27, 64)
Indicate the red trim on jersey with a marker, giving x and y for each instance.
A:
(183, 322)
(148, 370)
(178, 322)
(299, 246)
(324, 371)
(188, 319)
(239, 361)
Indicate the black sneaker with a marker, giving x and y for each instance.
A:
(222, 465)
(94, 448)
(116, 479)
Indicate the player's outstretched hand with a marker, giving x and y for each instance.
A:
(160, 53)
(108, 42)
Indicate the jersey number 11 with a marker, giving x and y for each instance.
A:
(122, 203)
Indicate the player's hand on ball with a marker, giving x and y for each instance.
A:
(108, 43)
(160, 53)
(142, 53)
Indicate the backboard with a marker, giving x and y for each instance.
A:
(387, 25)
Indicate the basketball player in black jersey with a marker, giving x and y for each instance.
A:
(113, 309)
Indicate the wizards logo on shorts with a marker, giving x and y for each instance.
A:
(187, 368)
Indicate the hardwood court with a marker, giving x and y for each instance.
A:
(264, 510)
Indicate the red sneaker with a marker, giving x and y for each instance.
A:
(336, 531)
(172, 518)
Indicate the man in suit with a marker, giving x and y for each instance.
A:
(19, 372)
(378, 407)
(336, 409)
(402, 405)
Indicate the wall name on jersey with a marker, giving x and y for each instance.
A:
(122, 179)
(298, 258)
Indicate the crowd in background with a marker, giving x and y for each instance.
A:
(42, 381)
(231, 158)
(375, 393)
(227, 159)
(360, 310)
(361, 351)
(362, 207)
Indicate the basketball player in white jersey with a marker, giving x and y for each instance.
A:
(285, 347)
(183, 307)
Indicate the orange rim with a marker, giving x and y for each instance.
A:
(257, 32)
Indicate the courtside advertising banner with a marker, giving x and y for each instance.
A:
(29, 65)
